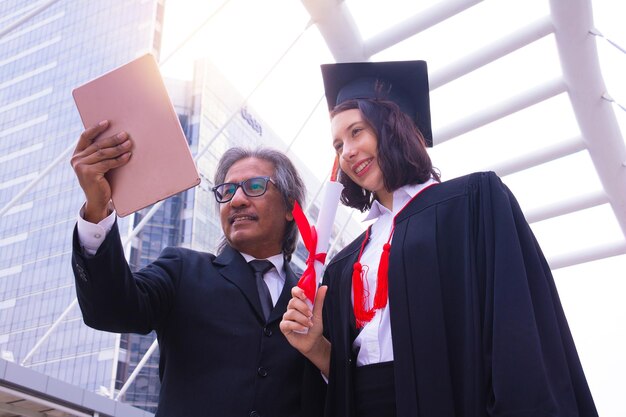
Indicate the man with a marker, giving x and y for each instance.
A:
(220, 354)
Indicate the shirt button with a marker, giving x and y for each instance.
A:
(267, 331)
(262, 372)
(97, 235)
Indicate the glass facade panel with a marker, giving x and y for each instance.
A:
(41, 61)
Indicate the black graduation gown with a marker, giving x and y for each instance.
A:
(478, 328)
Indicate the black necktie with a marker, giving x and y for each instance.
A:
(260, 268)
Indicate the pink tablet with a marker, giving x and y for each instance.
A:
(134, 99)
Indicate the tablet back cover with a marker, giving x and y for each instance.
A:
(133, 99)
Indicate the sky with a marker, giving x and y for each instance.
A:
(271, 54)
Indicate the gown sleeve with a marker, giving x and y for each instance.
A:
(533, 368)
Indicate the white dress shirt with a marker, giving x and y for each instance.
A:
(374, 342)
(91, 235)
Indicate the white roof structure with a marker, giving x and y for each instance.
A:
(531, 89)
(570, 24)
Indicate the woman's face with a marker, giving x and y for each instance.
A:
(355, 143)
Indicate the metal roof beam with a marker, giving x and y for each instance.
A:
(344, 40)
(416, 24)
(563, 207)
(499, 110)
(503, 46)
(338, 28)
(573, 22)
(588, 255)
(25, 18)
(532, 159)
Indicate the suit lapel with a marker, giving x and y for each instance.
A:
(233, 267)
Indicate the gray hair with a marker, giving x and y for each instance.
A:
(286, 179)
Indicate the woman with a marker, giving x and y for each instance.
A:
(446, 305)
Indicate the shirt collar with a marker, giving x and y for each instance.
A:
(277, 260)
(400, 198)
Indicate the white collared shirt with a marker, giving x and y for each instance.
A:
(374, 342)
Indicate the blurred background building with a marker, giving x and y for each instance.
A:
(54, 47)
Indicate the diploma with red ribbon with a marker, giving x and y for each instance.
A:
(317, 238)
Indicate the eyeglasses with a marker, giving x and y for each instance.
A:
(252, 187)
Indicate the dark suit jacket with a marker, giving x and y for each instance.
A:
(218, 356)
(478, 329)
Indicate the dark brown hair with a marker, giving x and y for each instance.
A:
(401, 148)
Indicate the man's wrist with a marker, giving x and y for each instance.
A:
(94, 214)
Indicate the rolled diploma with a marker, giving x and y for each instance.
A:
(324, 226)
(326, 219)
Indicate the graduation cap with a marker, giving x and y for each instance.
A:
(403, 82)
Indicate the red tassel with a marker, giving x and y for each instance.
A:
(360, 311)
(380, 299)
(362, 314)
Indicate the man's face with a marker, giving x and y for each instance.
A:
(254, 225)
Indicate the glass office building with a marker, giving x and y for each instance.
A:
(46, 49)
